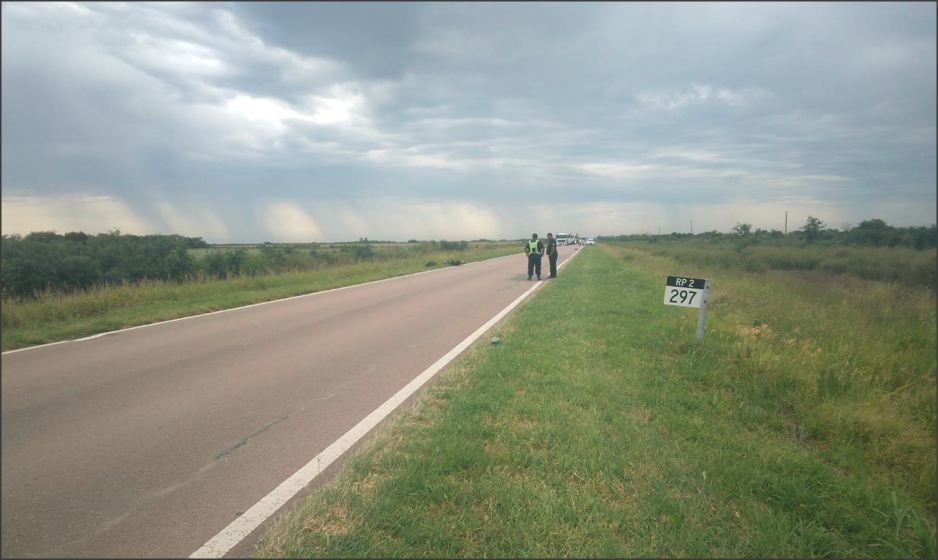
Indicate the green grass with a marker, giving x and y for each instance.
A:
(803, 426)
(898, 264)
(55, 317)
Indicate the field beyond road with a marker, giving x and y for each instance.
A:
(56, 316)
(803, 426)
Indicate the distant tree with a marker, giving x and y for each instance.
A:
(43, 236)
(76, 272)
(874, 232)
(363, 252)
(274, 254)
(76, 236)
(453, 245)
(923, 237)
(196, 243)
(742, 229)
(44, 261)
(812, 228)
(28, 266)
(215, 265)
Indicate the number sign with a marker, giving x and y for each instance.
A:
(686, 292)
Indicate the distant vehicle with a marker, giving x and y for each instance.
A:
(590, 241)
(566, 238)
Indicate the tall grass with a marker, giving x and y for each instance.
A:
(59, 316)
(803, 426)
(900, 264)
(834, 360)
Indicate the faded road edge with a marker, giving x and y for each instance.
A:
(240, 307)
(237, 530)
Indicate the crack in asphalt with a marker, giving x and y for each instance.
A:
(244, 441)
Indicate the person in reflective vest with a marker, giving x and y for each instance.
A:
(535, 250)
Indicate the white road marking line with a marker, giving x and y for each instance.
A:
(237, 530)
(99, 335)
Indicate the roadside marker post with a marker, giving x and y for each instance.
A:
(689, 292)
(702, 313)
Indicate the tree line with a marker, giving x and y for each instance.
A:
(874, 233)
(43, 261)
(46, 261)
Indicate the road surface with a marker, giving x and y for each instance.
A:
(147, 442)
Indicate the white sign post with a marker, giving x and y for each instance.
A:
(689, 292)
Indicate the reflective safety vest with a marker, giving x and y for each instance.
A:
(532, 245)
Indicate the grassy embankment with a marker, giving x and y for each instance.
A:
(803, 426)
(55, 317)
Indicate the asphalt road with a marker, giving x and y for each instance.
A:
(147, 442)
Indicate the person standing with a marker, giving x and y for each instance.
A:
(552, 254)
(535, 250)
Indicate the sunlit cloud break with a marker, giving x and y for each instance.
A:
(246, 122)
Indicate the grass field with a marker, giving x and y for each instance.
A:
(55, 317)
(803, 426)
(901, 265)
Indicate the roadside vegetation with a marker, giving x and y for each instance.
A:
(46, 262)
(872, 250)
(802, 426)
(58, 287)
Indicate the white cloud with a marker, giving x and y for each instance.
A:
(592, 218)
(690, 153)
(722, 177)
(44, 14)
(192, 44)
(288, 222)
(698, 94)
(350, 219)
(186, 72)
(400, 219)
(445, 220)
(193, 221)
(64, 213)
(412, 157)
(342, 105)
(620, 171)
(175, 56)
(262, 113)
(243, 125)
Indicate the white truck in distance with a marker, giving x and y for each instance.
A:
(566, 238)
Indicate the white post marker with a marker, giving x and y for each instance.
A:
(689, 292)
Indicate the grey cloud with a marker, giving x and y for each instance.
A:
(499, 104)
(373, 38)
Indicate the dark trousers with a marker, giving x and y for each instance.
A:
(553, 265)
(534, 264)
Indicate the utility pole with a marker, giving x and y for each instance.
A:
(692, 227)
(786, 222)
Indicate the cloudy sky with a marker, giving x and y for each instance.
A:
(250, 122)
